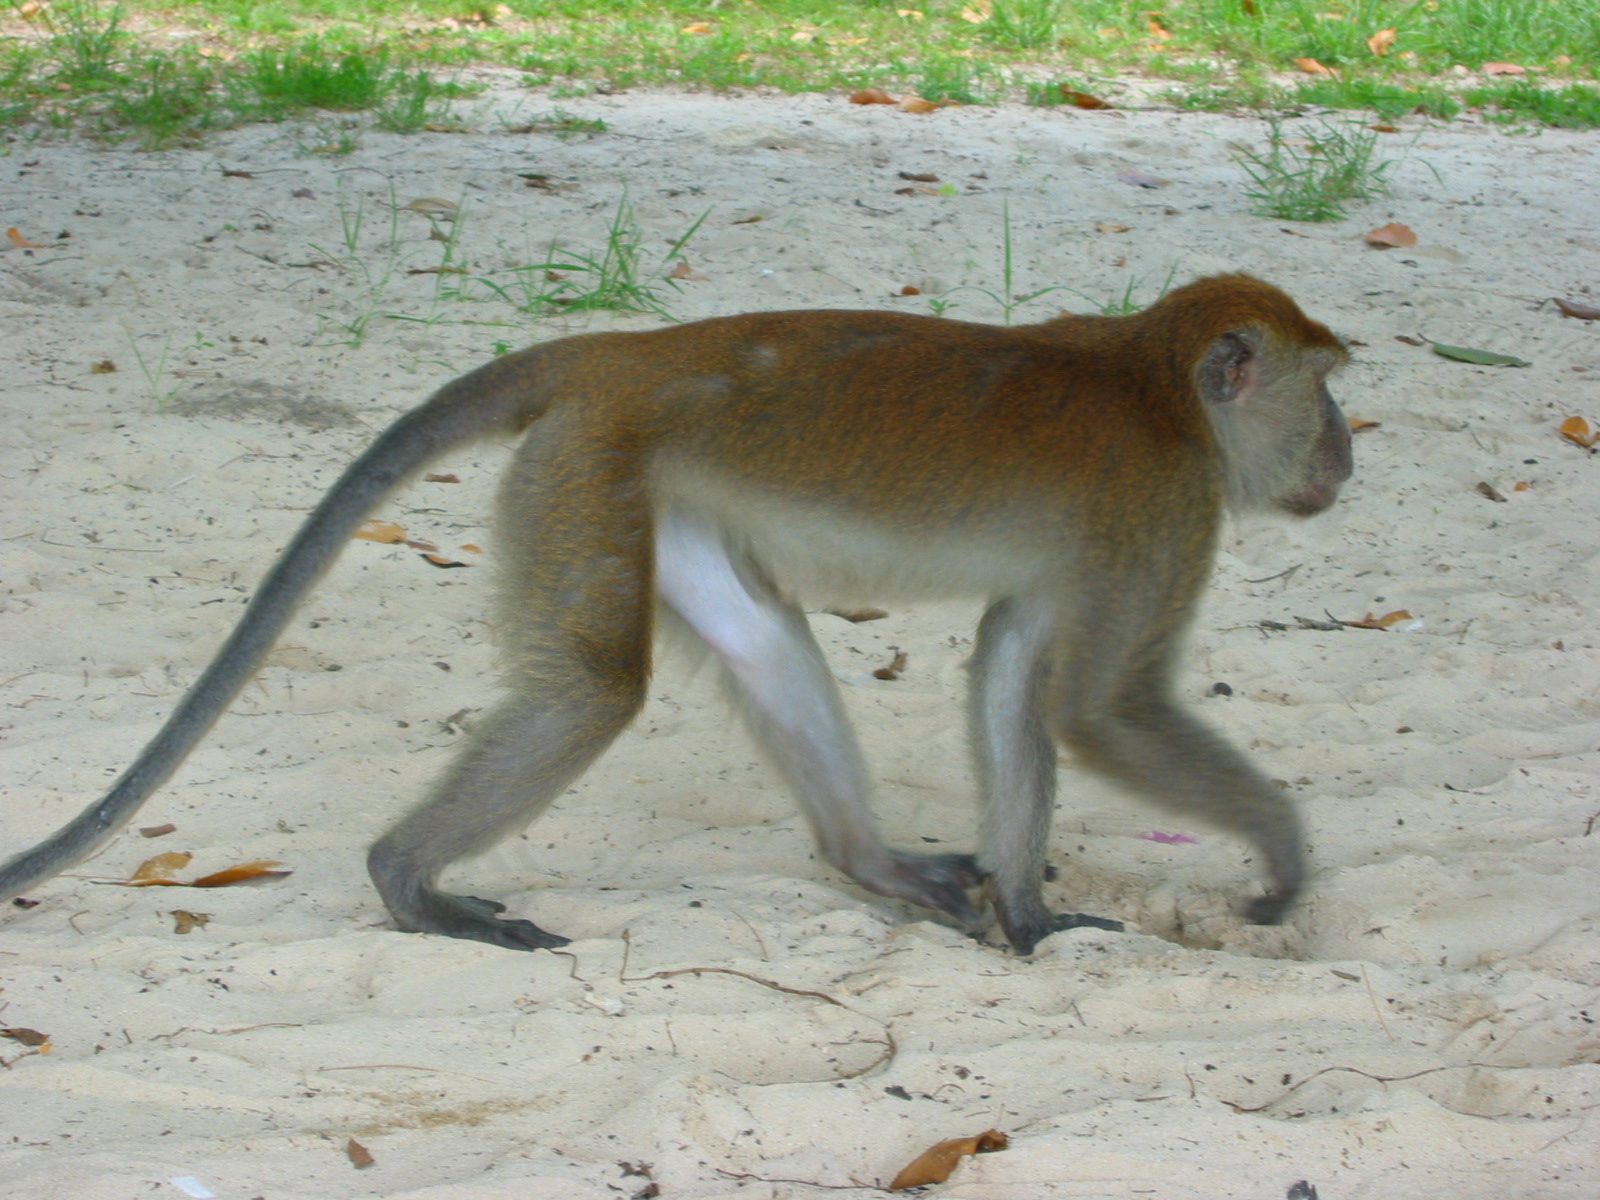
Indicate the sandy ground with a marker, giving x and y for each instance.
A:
(1425, 1027)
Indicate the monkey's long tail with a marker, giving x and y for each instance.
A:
(498, 398)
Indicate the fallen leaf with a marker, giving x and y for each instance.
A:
(386, 532)
(936, 1163)
(155, 831)
(1156, 29)
(857, 615)
(442, 270)
(1380, 42)
(432, 207)
(910, 14)
(261, 868)
(1571, 308)
(1383, 127)
(1488, 491)
(1312, 67)
(1410, 341)
(439, 477)
(757, 217)
(1357, 425)
(1141, 180)
(440, 561)
(1384, 622)
(106, 367)
(871, 96)
(471, 549)
(916, 191)
(1082, 99)
(358, 1154)
(159, 869)
(908, 290)
(1522, 485)
(1576, 430)
(185, 921)
(1110, 227)
(699, 29)
(20, 242)
(28, 1037)
(916, 104)
(227, 174)
(1390, 235)
(896, 665)
(31, 9)
(1500, 68)
(426, 547)
(919, 176)
(978, 13)
(1482, 358)
(1170, 839)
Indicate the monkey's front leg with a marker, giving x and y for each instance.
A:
(777, 671)
(1016, 765)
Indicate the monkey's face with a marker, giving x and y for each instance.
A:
(1329, 462)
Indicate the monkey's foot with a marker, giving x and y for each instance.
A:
(1026, 932)
(1269, 909)
(936, 881)
(474, 918)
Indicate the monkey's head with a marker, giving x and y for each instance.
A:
(1263, 382)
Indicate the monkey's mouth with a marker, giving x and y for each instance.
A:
(1310, 501)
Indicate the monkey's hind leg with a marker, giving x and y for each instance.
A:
(1016, 766)
(777, 671)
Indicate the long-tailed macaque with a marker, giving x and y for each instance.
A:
(1072, 473)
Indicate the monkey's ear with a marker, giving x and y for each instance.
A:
(1229, 367)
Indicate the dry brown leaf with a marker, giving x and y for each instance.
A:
(358, 1154)
(1500, 68)
(27, 1037)
(910, 14)
(31, 9)
(977, 13)
(896, 665)
(20, 242)
(1571, 308)
(1082, 99)
(916, 104)
(439, 560)
(1489, 492)
(260, 868)
(386, 532)
(159, 869)
(916, 190)
(1390, 235)
(438, 477)
(936, 1163)
(1383, 127)
(432, 207)
(919, 177)
(1576, 430)
(1156, 29)
(871, 96)
(908, 290)
(1312, 67)
(106, 367)
(1410, 341)
(857, 615)
(1380, 42)
(1522, 485)
(1384, 622)
(684, 271)
(1357, 425)
(1110, 227)
(185, 921)
(471, 548)
(155, 831)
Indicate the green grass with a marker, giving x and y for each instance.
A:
(112, 69)
(1314, 174)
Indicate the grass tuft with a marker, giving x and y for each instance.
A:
(1314, 177)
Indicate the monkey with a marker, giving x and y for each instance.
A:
(1071, 474)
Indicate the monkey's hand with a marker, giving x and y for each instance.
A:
(936, 881)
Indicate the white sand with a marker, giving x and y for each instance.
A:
(1426, 1026)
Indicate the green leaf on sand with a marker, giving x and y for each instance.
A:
(1483, 358)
